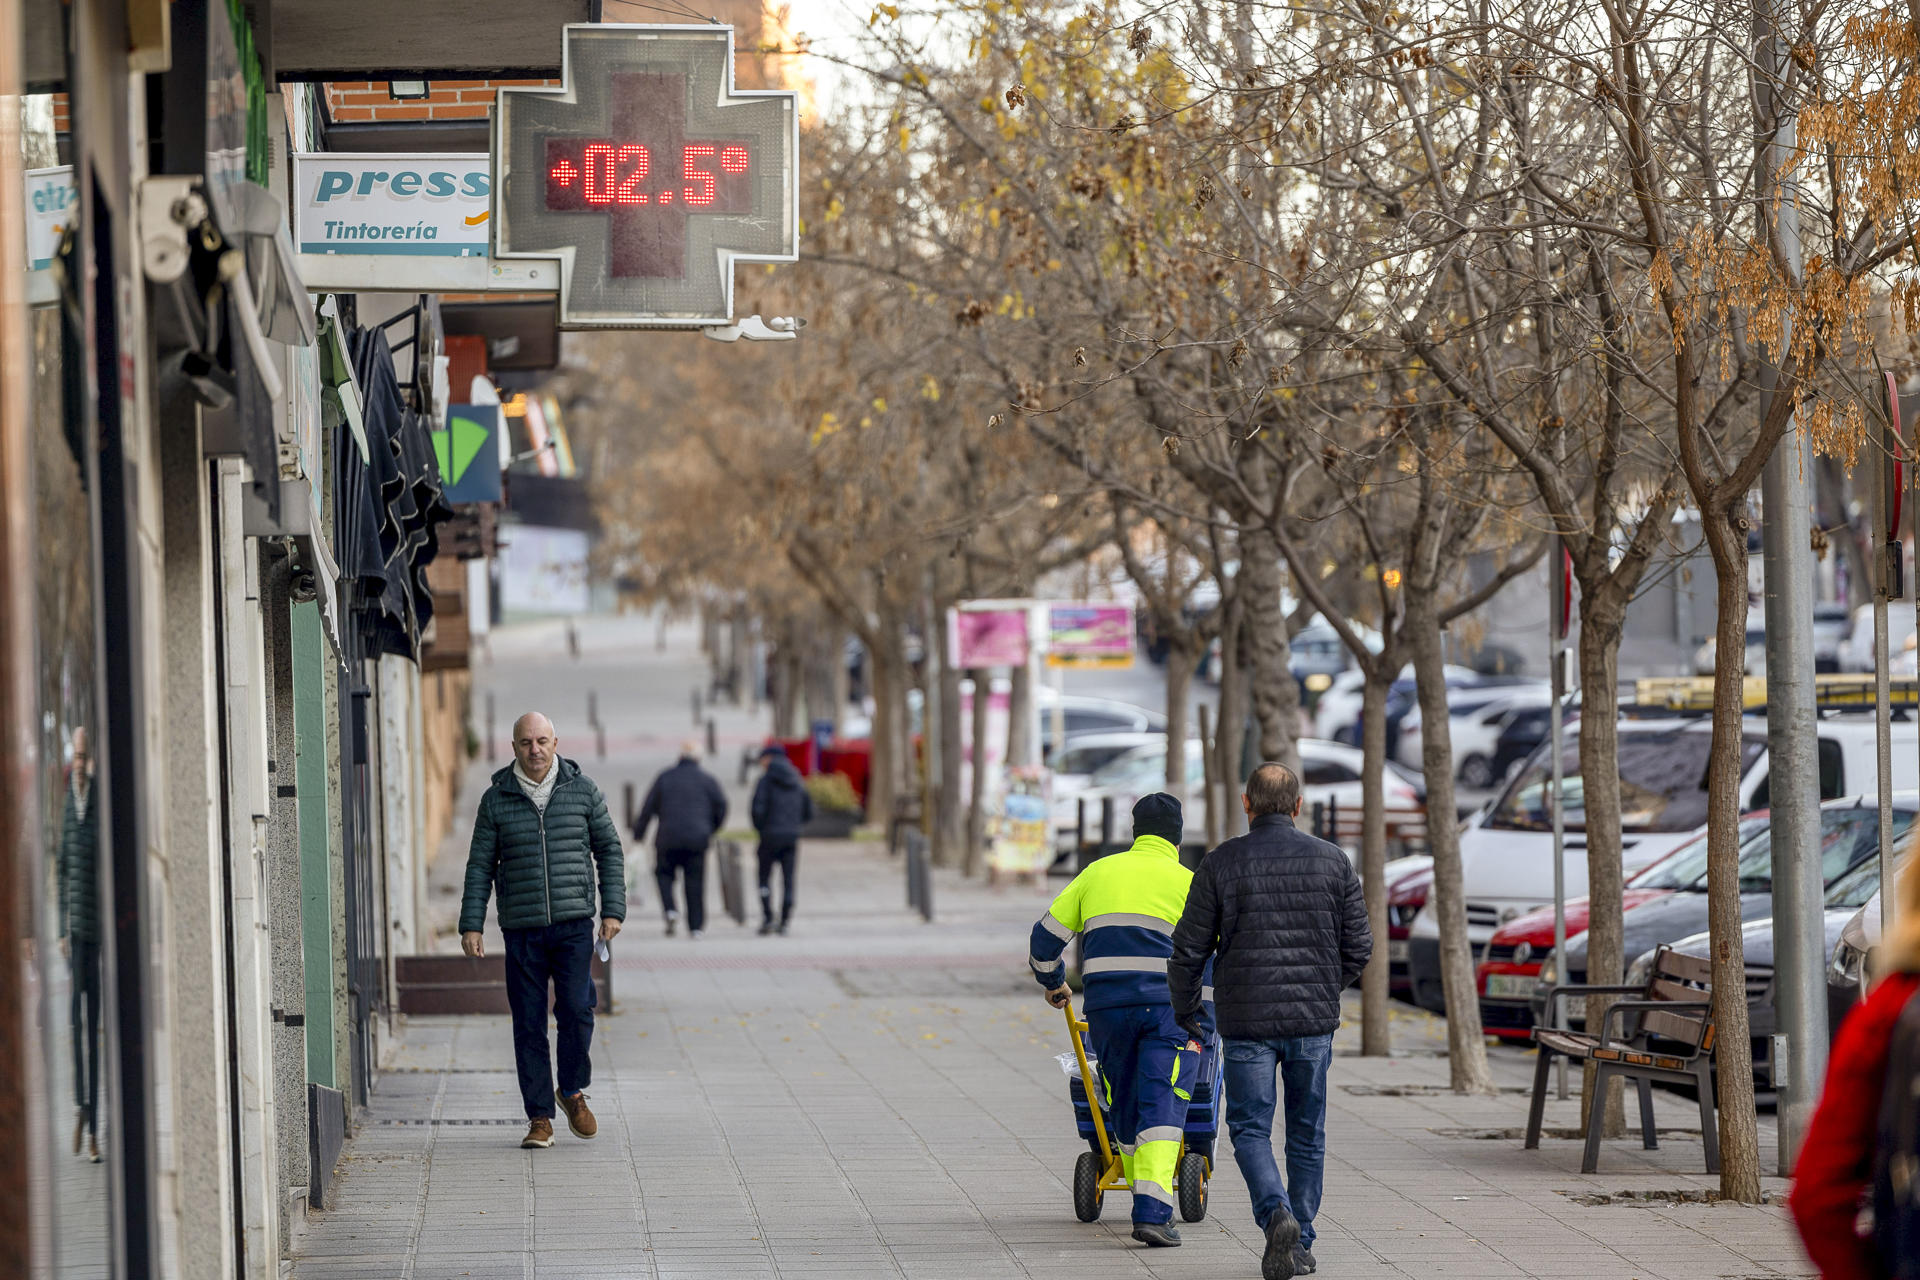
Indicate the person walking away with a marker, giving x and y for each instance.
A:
(691, 808)
(1281, 916)
(1126, 905)
(544, 839)
(1860, 1147)
(79, 868)
(781, 807)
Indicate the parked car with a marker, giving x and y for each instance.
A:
(1089, 752)
(1475, 716)
(1465, 688)
(1509, 966)
(1852, 964)
(1856, 652)
(1506, 850)
(1409, 881)
(1522, 732)
(1849, 837)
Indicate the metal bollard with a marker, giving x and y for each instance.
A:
(696, 706)
(593, 708)
(1106, 825)
(1317, 822)
(713, 738)
(493, 742)
(600, 739)
(1079, 827)
(626, 803)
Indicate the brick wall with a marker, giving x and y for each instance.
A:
(368, 102)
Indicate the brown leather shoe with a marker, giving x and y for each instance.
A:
(539, 1133)
(579, 1119)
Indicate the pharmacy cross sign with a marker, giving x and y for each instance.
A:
(648, 174)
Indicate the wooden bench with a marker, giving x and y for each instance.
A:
(1672, 1041)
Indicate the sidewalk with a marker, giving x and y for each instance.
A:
(877, 1097)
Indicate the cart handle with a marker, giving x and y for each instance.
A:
(1074, 1027)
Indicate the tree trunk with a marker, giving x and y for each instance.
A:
(1376, 981)
(882, 788)
(786, 687)
(1733, 1051)
(1180, 662)
(739, 658)
(1265, 652)
(1601, 615)
(977, 791)
(839, 682)
(1466, 1042)
(1230, 733)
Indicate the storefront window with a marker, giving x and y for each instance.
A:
(71, 916)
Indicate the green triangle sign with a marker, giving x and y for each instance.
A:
(458, 446)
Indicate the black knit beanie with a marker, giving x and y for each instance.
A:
(1157, 815)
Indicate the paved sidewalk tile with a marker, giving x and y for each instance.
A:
(877, 1097)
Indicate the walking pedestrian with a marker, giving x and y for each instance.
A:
(544, 838)
(781, 807)
(1126, 905)
(1846, 1154)
(1281, 915)
(79, 878)
(691, 808)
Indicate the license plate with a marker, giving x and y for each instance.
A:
(1509, 986)
(1397, 951)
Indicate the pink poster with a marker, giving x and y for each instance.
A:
(988, 637)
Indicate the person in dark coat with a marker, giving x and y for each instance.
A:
(691, 808)
(79, 868)
(544, 839)
(781, 807)
(1282, 917)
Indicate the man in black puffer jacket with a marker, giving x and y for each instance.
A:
(781, 807)
(691, 809)
(544, 839)
(1282, 915)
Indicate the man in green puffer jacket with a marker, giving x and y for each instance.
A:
(544, 837)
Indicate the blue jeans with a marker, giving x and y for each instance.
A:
(558, 954)
(1302, 1063)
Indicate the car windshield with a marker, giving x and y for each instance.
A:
(1146, 762)
(1087, 759)
(1848, 837)
(1687, 865)
(1663, 784)
(1856, 888)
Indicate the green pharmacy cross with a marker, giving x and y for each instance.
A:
(648, 175)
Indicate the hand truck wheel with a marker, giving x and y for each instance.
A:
(1191, 1185)
(1086, 1187)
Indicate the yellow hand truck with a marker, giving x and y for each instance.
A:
(1098, 1169)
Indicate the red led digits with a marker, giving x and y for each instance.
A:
(629, 192)
(599, 176)
(702, 192)
(733, 159)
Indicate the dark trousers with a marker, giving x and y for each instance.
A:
(558, 954)
(782, 853)
(1301, 1063)
(693, 863)
(83, 1013)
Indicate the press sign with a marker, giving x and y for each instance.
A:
(410, 205)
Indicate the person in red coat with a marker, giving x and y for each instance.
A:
(1835, 1171)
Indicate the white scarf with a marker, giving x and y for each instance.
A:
(538, 792)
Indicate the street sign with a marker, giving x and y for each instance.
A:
(648, 175)
(1090, 635)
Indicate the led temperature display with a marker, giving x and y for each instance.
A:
(649, 173)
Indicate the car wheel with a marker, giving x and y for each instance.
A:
(1476, 773)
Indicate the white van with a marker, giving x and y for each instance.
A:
(1506, 851)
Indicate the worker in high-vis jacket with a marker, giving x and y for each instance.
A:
(1125, 906)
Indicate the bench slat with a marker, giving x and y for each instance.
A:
(1692, 969)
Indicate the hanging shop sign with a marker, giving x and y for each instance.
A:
(402, 223)
(648, 175)
(1089, 635)
(979, 637)
(416, 206)
(468, 450)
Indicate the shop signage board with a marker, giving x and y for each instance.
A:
(402, 223)
(51, 197)
(415, 206)
(648, 175)
(468, 451)
(1089, 635)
